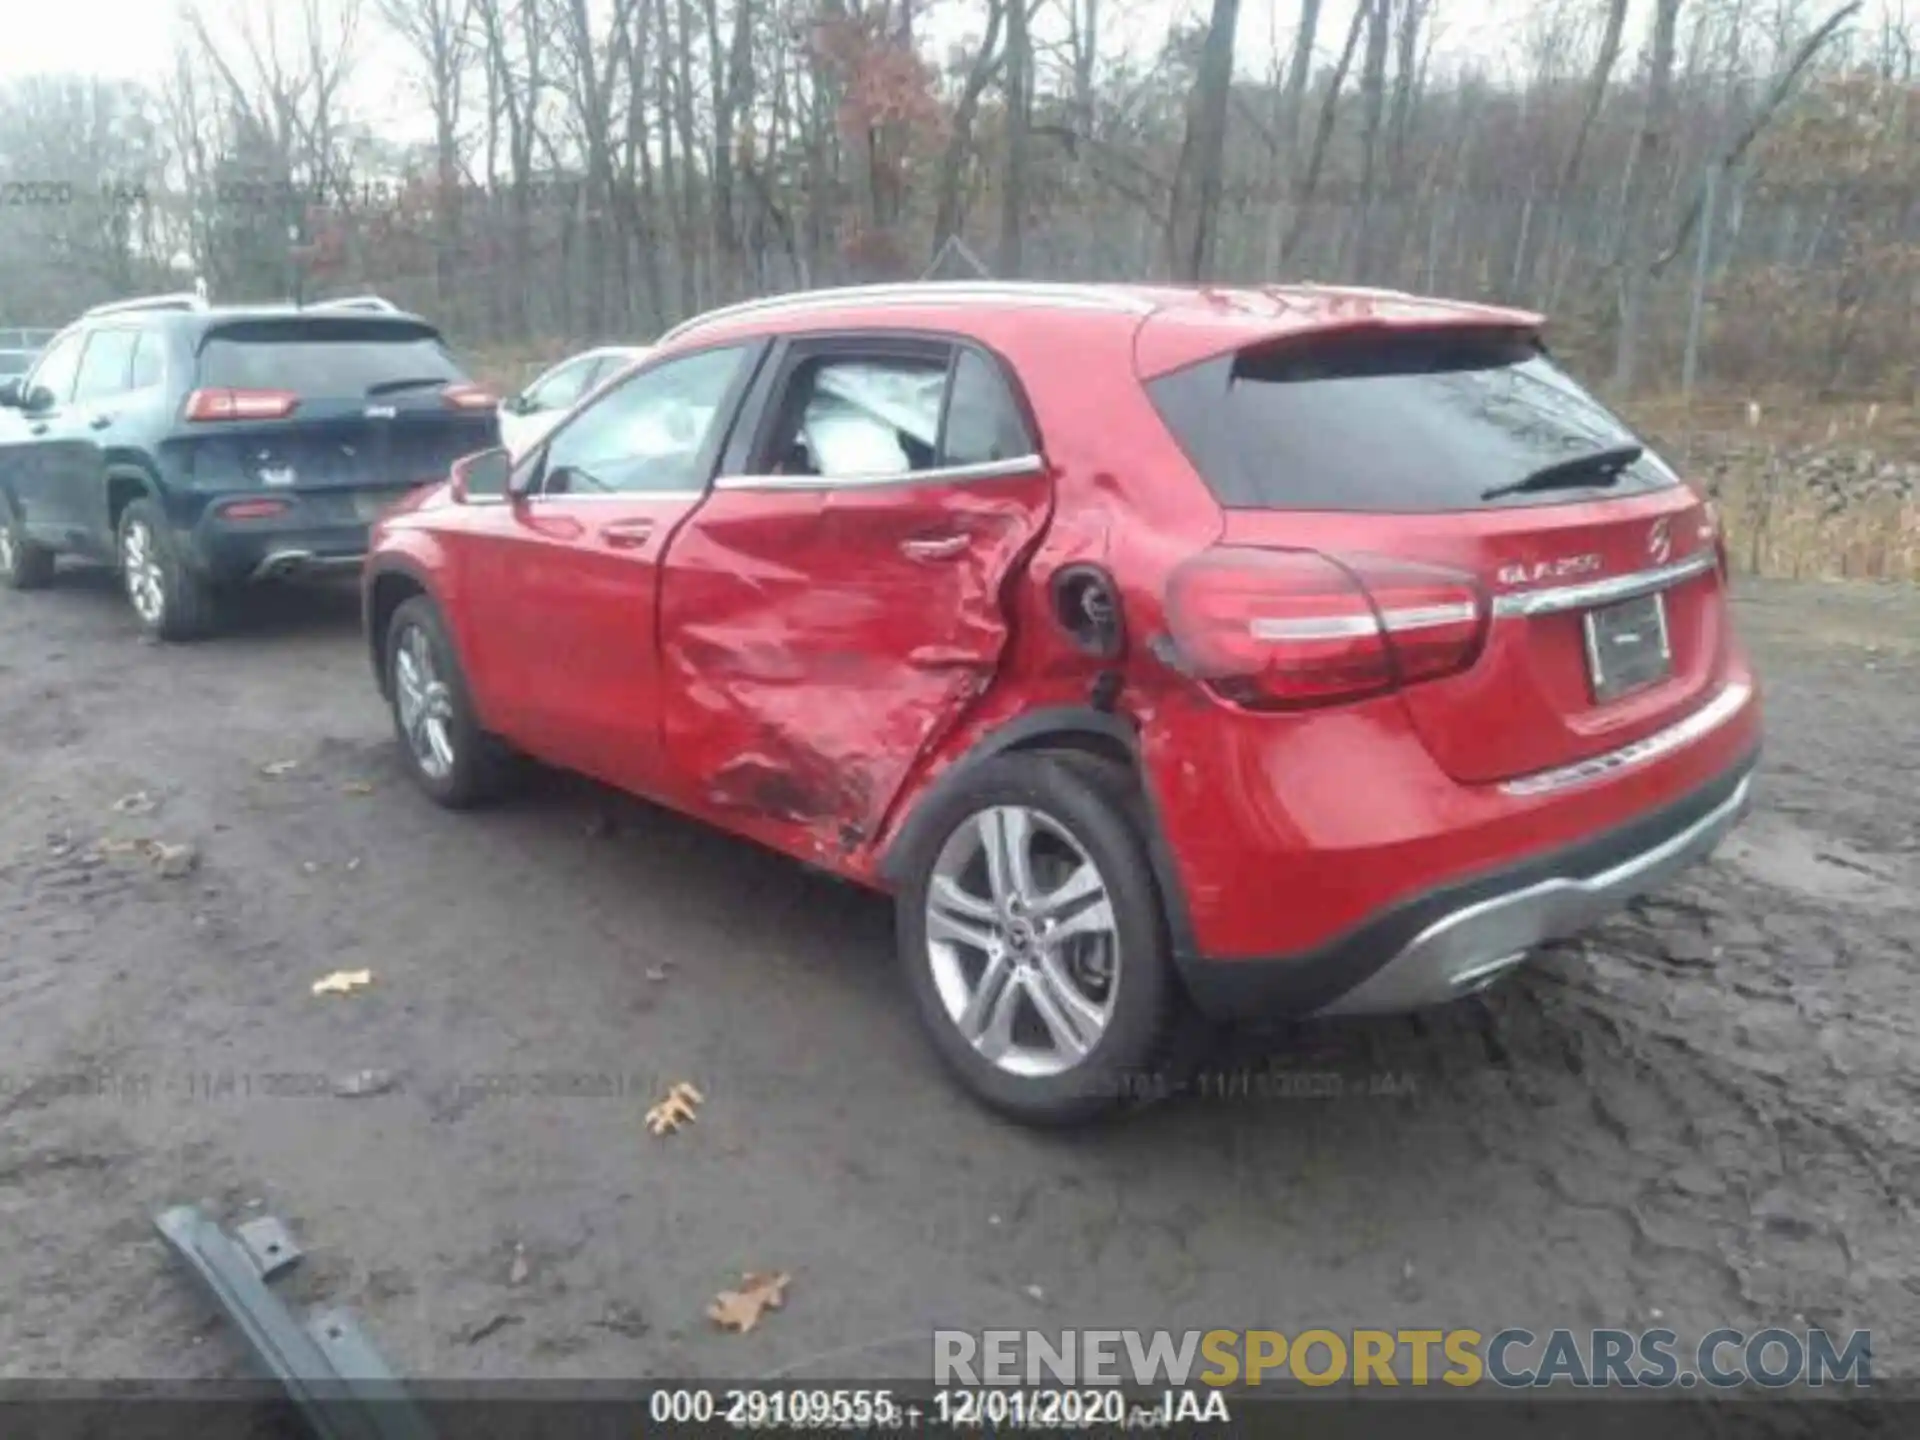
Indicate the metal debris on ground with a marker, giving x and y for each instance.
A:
(274, 769)
(138, 803)
(324, 1360)
(517, 1272)
(675, 1110)
(740, 1310)
(342, 982)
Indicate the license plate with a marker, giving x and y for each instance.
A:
(1627, 646)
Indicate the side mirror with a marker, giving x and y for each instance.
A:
(482, 475)
(517, 404)
(10, 394)
(37, 397)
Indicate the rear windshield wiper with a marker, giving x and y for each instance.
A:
(414, 382)
(1602, 467)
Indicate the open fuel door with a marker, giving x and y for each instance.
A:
(839, 598)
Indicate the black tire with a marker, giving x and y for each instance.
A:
(1095, 801)
(24, 565)
(479, 769)
(171, 601)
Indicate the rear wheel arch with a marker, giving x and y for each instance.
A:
(1081, 732)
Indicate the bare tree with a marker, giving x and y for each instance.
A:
(1636, 218)
(440, 35)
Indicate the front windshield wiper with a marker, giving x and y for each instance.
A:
(1602, 467)
(413, 382)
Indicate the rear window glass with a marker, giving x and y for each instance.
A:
(341, 358)
(1408, 423)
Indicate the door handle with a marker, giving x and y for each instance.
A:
(38, 429)
(99, 422)
(943, 547)
(627, 534)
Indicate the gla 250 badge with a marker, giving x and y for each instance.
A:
(1565, 568)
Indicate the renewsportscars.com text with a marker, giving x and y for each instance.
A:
(1512, 1358)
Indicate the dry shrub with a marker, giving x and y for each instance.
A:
(1805, 490)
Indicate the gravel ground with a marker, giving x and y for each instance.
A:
(1702, 1115)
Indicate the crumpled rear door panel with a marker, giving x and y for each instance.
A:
(815, 642)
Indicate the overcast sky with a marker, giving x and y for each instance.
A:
(135, 39)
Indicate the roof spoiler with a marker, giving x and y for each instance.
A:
(182, 300)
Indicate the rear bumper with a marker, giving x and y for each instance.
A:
(1455, 940)
(309, 538)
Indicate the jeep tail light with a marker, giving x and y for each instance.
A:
(1283, 629)
(469, 397)
(241, 404)
(252, 509)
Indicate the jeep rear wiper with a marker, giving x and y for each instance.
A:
(387, 387)
(1602, 467)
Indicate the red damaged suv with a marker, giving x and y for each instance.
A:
(1254, 652)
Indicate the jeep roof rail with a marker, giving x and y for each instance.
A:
(357, 302)
(183, 300)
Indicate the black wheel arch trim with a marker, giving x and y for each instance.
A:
(1283, 987)
(1064, 723)
(378, 570)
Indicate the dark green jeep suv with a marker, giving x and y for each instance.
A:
(199, 448)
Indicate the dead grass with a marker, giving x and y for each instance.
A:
(1757, 450)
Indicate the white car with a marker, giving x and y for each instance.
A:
(527, 417)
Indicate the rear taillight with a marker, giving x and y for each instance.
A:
(469, 397)
(241, 404)
(252, 509)
(1281, 629)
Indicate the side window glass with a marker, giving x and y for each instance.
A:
(983, 423)
(563, 386)
(149, 365)
(58, 367)
(106, 366)
(648, 433)
(847, 418)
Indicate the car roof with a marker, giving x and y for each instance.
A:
(1171, 325)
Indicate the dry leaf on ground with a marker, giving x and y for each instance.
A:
(342, 982)
(358, 787)
(138, 803)
(676, 1110)
(170, 862)
(760, 1290)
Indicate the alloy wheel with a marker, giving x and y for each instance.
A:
(423, 703)
(140, 565)
(1022, 941)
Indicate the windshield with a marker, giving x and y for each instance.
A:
(1426, 422)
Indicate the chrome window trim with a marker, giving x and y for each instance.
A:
(597, 497)
(1602, 592)
(1708, 717)
(947, 474)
